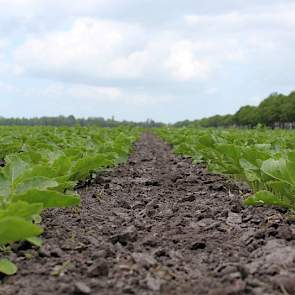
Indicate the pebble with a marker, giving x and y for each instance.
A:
(99, 269)
(129, 235)
(233, 218)
(153, 284)
(144, 259)
(82, 288)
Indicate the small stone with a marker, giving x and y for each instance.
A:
(237, 287)
(99, 269)
(175, 177)
(284, 232)
(82, 288)
(256, 220)
(138, 205)
(144, 259)
(152, 283)
(93, 241)
(124, 204)
(281, 256)
(152, 205)
(44, 251)
(129, 235)
(236, 208)
(233, 218)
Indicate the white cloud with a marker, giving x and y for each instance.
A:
(19, 7)
(133, 53)
(6, 87)
(82, 92)
(100, 49)
(33, 8)
(85, 95)
(185, 65)
(280, 15)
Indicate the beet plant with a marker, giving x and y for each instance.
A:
(265, 159)
(42, 166)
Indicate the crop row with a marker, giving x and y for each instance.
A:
(265, 159)
(41, 167)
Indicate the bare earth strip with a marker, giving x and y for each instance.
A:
(159, 225)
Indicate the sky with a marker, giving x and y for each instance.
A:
(166, 60)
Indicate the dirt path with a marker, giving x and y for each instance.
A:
(159, 225)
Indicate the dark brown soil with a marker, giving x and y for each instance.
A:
(159, 225)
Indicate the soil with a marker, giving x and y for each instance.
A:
(159, 225)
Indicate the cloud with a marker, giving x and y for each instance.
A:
(84, 95)
(274, 15)
(110, 53)
(97, 49)
(174, 59)
(34, 8)
(184, 65)
(6, 87)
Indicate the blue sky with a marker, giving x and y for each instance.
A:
(138, 59)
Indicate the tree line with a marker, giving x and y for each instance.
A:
(277, 110)
(72, 121)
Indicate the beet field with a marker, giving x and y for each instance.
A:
(159, 211)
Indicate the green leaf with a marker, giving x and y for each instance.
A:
(207, 140)
(14, 229)
(36, 241)
(231, 152)
(38, 182)
(7, 267)
(32, 156)
(90, 163)
(49, 199)
(15, 168)
(21, 209)
(267, 198)
(40, 170)
(250, 171)
(281, 169)
(4, 185)
(247, 165)
(62, 166)
(280, 188)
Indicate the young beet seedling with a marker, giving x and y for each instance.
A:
(21, 203)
